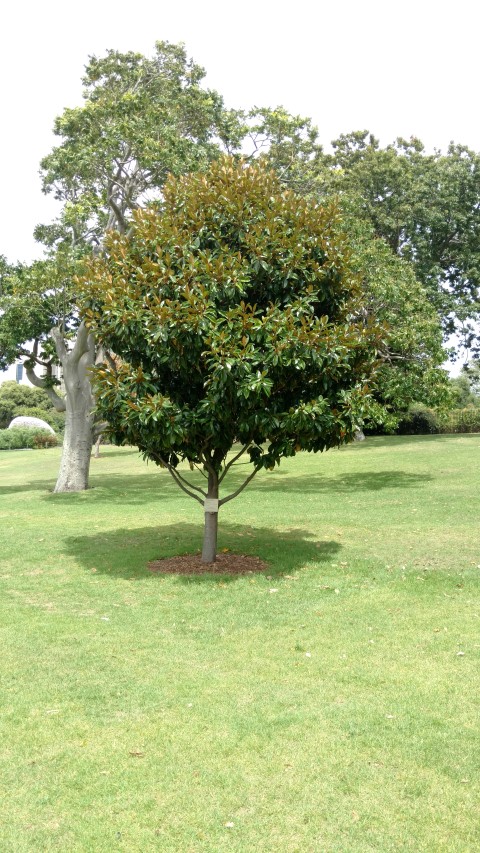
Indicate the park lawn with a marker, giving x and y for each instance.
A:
(328, 704)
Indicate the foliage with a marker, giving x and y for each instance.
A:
(391, 290)
(142, 118)
(19, 438)
(412, 344)
(418, 420)
(286, 143)
(472, 371)
(16, 399)
(460, 420)
(236, 316)
(426, 207)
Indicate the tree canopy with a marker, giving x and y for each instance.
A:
(235, 313)
(426, 208)
(411, 351)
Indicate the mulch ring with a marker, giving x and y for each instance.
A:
(191, 564)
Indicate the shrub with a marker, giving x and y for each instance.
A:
(20, 438)
(18, 399)
(44, 439)
(418, 420)
(461, 420)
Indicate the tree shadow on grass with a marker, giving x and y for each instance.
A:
(389, 441)
(31, 486)
(109, 450)
(125, 553)
(106, 488)
(156, 485)
(365, 481)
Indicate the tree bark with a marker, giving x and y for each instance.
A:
(78, 441)
(209, 550)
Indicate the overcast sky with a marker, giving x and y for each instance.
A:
(398, 69)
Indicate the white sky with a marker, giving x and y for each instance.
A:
(406, 68)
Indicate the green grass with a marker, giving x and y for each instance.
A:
(330, 704)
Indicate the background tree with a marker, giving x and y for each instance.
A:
(16, 399)
(142, 118)
(235, 314)
(466, 386)
(411, 351)
(426, 208)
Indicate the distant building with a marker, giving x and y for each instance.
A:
(17, 373)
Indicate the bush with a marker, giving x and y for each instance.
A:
(18, 399)
(20, 438)
(418, 420)
(461, 420)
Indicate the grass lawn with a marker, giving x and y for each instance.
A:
(330, 704)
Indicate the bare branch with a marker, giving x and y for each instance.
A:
(237, 456)
(179, 483)
(121, 224)
(174, 476)
(58, 338)
(99, 428)
(190, 485)
(39, 382)
(83, 343)
(207, 464)
(201, 471)
(234, 494)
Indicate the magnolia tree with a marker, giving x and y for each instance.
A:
(235, 315)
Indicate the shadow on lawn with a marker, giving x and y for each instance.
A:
(125, 553)
(32, 486)
(156, 485)
(365, 481)
(106, 488)
(374, 441)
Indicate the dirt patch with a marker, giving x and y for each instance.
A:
(191, 564)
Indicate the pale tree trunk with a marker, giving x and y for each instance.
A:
(209, 550)
(97, 447)
(78, 441)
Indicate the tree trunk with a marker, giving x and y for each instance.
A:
(97, 446)
(78, 441)
(77, 446)
(209, 550)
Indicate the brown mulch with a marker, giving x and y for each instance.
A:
(191, 564)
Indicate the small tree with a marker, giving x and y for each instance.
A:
(235, 314)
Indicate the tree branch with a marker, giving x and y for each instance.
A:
(227, 467)
(234, 494)
(118, 214)
(58, 338)
(179, 483)
(190, 485)
(207, 464)
(57, 401)
(83, 343)
(174, 476)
